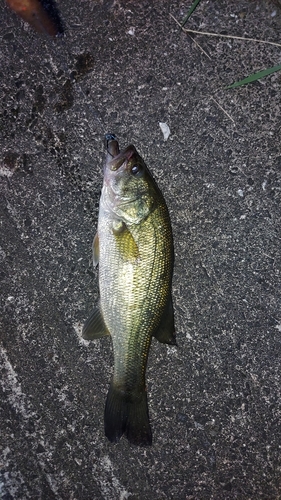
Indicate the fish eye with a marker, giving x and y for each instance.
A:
(137, 170)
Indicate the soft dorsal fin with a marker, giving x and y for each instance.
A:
(165, 332)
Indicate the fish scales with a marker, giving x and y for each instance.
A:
(134, 248)
(140, 285)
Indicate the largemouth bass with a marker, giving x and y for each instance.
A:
(134, 249)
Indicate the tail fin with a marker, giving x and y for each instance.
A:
(125, 414)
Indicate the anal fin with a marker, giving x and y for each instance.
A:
(94, 327)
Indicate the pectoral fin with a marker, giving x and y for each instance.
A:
(165, 332)
(94, 327)
(125, 241)
(96, 250)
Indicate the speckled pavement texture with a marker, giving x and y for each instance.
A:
(214, 401)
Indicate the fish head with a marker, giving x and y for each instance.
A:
(129, 190)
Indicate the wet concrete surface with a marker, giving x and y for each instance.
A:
(214, 400)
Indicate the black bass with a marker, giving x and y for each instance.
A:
(134, 249)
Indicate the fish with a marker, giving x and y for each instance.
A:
(43, 17)
(134, 249)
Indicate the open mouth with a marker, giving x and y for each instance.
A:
(115, 158)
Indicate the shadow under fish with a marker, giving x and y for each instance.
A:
(42, 15)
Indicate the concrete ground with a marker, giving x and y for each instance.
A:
(124, 66)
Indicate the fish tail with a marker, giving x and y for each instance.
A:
(126, 414)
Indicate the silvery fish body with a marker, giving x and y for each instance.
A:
(134, 249)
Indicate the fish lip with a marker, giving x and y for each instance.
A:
(115, 158)
(112, 151)
(112, 146)
(124, 156)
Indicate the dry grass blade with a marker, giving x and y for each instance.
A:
(207, 33)
(225, 112)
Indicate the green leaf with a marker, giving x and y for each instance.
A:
(255, 76)
(192, 8)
